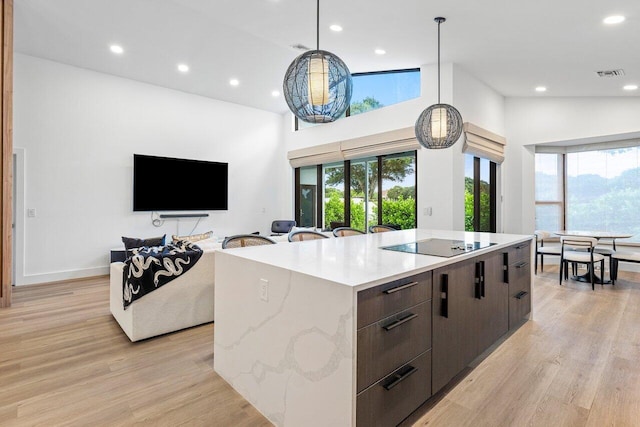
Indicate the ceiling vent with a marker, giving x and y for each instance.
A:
(611, 73)
(300, 47)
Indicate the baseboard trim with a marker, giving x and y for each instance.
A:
(61, 276)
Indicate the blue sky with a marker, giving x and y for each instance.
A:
(388, 88)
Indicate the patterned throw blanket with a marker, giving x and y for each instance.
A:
(152, 267)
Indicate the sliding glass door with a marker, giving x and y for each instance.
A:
(364, 193)
(480, 194)
(380, 190)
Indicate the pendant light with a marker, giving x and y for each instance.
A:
(440, 125)
(317, 85)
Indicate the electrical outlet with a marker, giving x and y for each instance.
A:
(427, 211)
(31, 213)
(264, 289)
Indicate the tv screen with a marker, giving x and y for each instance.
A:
(168, 184)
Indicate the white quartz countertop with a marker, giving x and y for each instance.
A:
(359, 261)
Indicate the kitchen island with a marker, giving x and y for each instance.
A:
(342, 332)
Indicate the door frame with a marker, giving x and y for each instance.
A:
(19, 219)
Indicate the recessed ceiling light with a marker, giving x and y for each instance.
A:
(541, 89)
(183, 68)
(630, 87)
(614, 19)
(335, 27)
(234, 82)
(116, 49)
(275, 93)
(380, 51)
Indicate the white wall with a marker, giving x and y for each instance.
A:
(481, 105)
(440, 172)
(542, 120)
(79, 130)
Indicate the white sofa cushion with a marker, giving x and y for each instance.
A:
(184, 302)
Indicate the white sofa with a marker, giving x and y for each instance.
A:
(184, 302)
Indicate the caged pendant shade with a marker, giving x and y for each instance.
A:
(440, 125)
(317, 85)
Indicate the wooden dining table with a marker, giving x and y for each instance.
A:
(597, 235)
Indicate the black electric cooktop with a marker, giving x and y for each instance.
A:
(445, 248)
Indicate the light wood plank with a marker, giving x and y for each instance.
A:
(574, 364)
(65, 361)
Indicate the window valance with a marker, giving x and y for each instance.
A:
(316, 155)
(482, 143)
(396, 141)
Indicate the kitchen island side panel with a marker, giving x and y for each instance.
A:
(291, 356)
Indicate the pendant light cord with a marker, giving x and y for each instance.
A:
(318, 26)
(439, 22)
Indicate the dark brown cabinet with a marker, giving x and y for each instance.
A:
(417, 333)
(493, 307)
(517, 275)
(396, 396)
(454, 321)
(474, 304)
(393, 350)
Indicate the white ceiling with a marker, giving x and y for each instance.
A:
(513, 46)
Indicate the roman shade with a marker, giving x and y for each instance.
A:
(482, 143)
(577, 148)
(396, 141)
(316, 155)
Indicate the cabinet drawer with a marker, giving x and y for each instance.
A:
(519, 292)
(384, 300)
(519, 252)
(393, 398)
(387, 344)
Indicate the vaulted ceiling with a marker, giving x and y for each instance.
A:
(513, 46)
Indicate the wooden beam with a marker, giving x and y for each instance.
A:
(6, 160)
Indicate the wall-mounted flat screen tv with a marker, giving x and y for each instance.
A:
(168, 184)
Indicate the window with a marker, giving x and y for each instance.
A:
(479, 194)
(364, 193)
(549, 191)
(376, 90)
(333, 179)
(589, 190)
(394, 174)
(306, 196)
(399, 195)
(603, 190)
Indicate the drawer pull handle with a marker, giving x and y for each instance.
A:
(522, 264)
(405, 319)
(444, 296)
(521, 294)
(521, 247)
(400, 288)
(482, 283)
(505, 267)
(478, 282)
(400, 376)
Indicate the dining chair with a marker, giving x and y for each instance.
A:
(302, 235)
(346, 231)
(282, 226)
(543, 250)
(244, 240)
(607, 252)
(621, 256)
(580, 250)
(380, 228)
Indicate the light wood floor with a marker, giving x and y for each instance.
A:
(65, 361)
